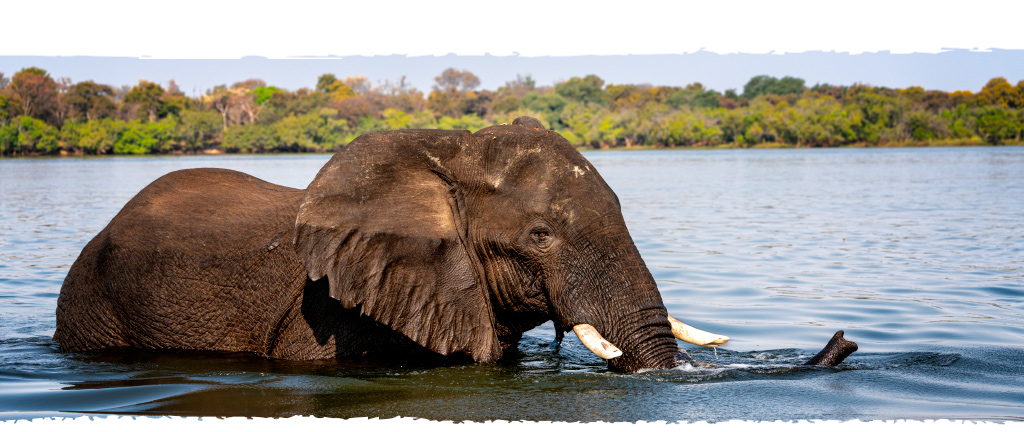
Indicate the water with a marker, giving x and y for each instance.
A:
(916, 253)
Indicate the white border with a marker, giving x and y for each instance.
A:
(308, 28)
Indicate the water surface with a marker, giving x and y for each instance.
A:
(915, 253)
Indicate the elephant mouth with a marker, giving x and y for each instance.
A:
(600, 346)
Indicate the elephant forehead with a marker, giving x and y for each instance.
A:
(566, 199)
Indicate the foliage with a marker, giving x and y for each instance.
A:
(40, 115)
(330, 85)
(310, 132)
(694, 96)
(452, 81)
(996, 124)
(93, 137)
(90, 101)
(468, 122)
(589, 89)
(767, 85)
(453, 94)
(7, 108)
(198, 129)
(264, 93)
(147, 98)
(35, 91)
(27, 135)
(999, 93)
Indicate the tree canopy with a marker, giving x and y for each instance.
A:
(43, 115)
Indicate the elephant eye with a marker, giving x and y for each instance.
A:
(542, 237)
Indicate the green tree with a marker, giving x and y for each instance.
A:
(588, 89)
(548, 105)
(733, 126)
(7, 108)
(509, 97)
(8, 138)
(99, 137)
(767, 85)
(317, 131)
(506, 104)
(706, 99)
(694, 96)
(35, 91)
(198, 129)
(960, 122)
(788, 85)
(468, 122)
(610, 130)
(264, 93)
(757, 86)
(926, 126)
(90, 101)
(996, 124)
(422, 120)
(148, 98)
(26, 135)
(150, 137)
(327, 83)
(395, 119)
(248, 139)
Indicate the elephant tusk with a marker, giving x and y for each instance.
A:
(594, 342)
(694, 335)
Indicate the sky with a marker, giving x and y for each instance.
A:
(941, 44)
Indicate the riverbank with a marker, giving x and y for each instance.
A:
(974, 142)
(892, 144)
(253, 117)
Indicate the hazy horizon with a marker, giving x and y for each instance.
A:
(947, 71)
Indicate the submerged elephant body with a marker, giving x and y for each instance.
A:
(433, 243)
(202, 259)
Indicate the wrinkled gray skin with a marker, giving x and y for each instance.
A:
(407, 243)
(440, 241)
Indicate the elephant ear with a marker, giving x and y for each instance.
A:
(382, 220)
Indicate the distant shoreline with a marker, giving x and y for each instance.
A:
(895, 144)
(40, 114)
(900, 144)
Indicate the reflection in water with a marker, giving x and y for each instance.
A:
(914, 252)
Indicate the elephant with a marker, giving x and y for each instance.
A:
(413, 243)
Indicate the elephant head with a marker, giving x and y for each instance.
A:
(463, 241)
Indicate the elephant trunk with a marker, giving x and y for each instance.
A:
(622, 304)
(645, 339)
(837, 349)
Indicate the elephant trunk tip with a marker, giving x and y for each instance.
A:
(834, 352)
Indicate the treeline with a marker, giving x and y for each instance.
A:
(43, 115)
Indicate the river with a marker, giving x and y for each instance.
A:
(917, 253)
